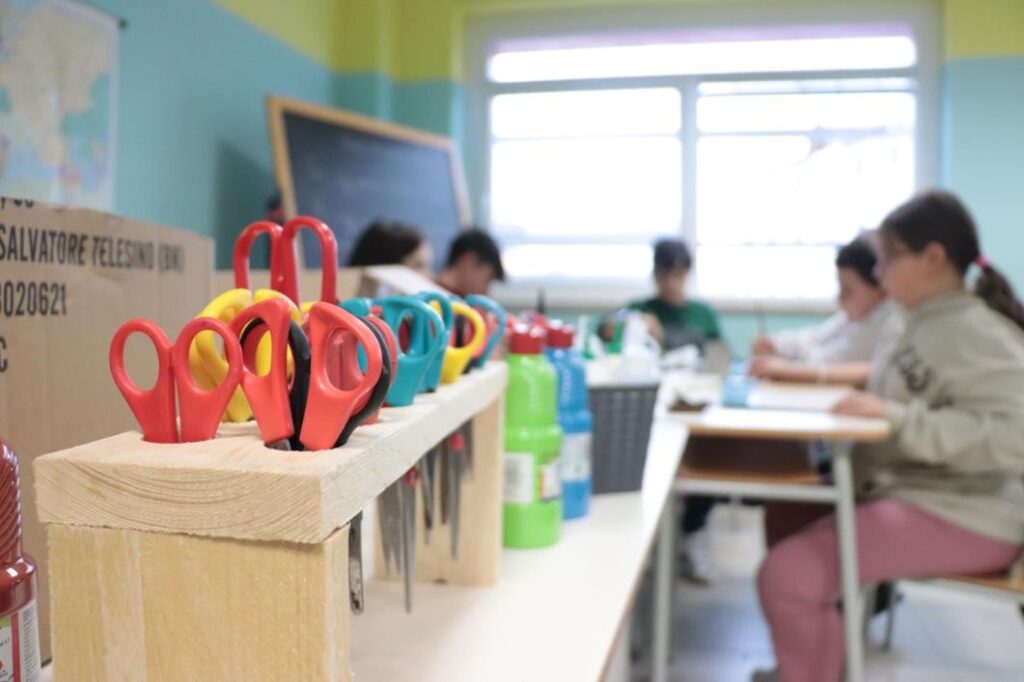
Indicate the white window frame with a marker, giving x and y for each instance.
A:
(923, 16)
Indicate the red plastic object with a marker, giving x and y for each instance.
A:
(560, 335)
(287, 279)
(243, 248)
(268, 394)
(200, 409)
(534, 318)
(17, 570)
(329, 407)
(154, 408)
(284, 269)
(526, 340)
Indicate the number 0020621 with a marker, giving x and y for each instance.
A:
(33, 299)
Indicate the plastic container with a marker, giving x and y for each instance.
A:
(533, 440)
(19, 625)
(623, 414)
(575, 419)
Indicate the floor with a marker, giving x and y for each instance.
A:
(940, 636)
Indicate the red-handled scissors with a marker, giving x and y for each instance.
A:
(154, 410)
(311, 405)
(353, 401)
(284, 270)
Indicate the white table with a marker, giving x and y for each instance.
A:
(556, 613)
(804, 424)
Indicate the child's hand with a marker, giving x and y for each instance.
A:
(770, 367)
(860, 404)
(763, 346)
(654, 327)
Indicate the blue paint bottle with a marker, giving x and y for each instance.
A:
(575, 419)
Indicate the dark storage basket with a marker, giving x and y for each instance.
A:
(622, 428)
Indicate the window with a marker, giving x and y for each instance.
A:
(576, 174)
(764, 147)
(788, 171)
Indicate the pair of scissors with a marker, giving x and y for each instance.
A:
(495, 321)
(284, 270)
(413, 360)
(207, 360)
(442, 305)
(458, 353)
(154, 409)
(363, 309)
(309, 410)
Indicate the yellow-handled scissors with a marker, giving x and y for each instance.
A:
(208, 362)
(457, 357)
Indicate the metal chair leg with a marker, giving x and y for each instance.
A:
(868, 595)
(890, 619)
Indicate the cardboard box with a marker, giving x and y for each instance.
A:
(68, 278)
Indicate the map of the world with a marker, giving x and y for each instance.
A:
(58, 76)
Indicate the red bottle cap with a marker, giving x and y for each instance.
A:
(10, 506)
(560, 335)
(526, 340)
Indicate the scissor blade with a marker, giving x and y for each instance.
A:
(408, 527)
(467, 432)
(355, 563)
(427, 487)
(455, 474)
(446, 482)
(385, 519)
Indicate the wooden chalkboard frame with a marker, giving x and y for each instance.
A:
(278, 106)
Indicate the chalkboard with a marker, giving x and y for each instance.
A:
(349, 170)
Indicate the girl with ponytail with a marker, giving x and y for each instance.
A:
(945, 493)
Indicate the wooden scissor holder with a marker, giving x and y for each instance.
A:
(225, 560)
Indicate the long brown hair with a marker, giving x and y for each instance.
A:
(940, 217)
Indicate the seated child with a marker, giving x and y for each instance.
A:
(840, 349)
(945, 494)
(676, 321)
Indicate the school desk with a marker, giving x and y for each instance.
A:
(810, 423)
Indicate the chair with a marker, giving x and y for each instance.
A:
(1008, 586)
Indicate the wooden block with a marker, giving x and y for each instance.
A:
(233, 486)
(133, 606)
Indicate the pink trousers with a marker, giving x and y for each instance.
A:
(799, 583)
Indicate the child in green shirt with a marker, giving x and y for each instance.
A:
(675, 322)
(672, 319)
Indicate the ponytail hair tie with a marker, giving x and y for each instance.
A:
(983, 262)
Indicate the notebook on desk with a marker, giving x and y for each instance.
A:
(760, 395)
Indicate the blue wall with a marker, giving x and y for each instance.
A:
(983, 152)
(193, 147)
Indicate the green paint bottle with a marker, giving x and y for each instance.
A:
(533, 439)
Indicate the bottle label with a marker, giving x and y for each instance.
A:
(518, 486)
(575, 457)
(549, 481)
(526, 483)
(19, 646)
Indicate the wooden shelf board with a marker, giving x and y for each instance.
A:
(233, 486)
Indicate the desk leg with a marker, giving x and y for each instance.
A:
(847, 535)
(663, 592)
